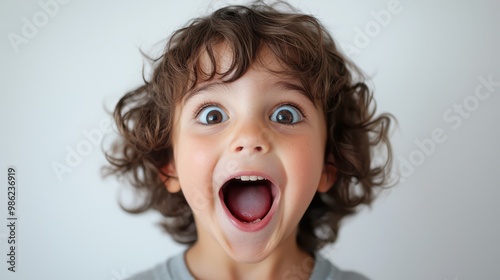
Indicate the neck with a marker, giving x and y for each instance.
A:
(285, 261)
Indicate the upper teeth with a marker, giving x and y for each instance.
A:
(249, 178)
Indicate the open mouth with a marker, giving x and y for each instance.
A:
(248, 198)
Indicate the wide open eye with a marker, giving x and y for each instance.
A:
(212, 115)
(286, 114)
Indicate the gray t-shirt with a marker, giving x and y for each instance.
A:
(175, 269)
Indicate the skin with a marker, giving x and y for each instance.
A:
(249, 138)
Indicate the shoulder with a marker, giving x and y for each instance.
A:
(324, 269)
(174, 268)
(154, 273)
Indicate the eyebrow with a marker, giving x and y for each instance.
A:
(279, 84)
(206, 87)
(296, 88)
(291, 87)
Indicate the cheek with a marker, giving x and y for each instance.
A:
(304, 163)
(192, 151)
(195, 160)
(195, 154)
(305, 156)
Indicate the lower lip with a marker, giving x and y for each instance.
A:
(255, 226)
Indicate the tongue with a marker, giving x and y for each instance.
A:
(249, 202)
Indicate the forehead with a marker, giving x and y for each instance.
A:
(221, 64)
(223, 59)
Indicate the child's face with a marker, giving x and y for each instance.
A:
(259, 125)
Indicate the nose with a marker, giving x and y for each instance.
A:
(251, 138)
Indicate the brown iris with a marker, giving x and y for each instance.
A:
(214, 116)
(285, 117)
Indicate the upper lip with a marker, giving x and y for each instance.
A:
(249, 173)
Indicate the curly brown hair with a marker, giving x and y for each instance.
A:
(144, 116)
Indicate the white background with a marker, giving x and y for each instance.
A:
(440, 223)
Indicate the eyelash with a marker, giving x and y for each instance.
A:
(296, 106)
(202, 106)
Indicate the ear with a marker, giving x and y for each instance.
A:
(328, 177)
(168, 176)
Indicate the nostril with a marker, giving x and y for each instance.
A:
(241, 148)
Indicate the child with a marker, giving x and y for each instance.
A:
(250, 138)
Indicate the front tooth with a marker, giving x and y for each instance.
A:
(237, 177)
(244, 178)
(253, 178)
(260, 178)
